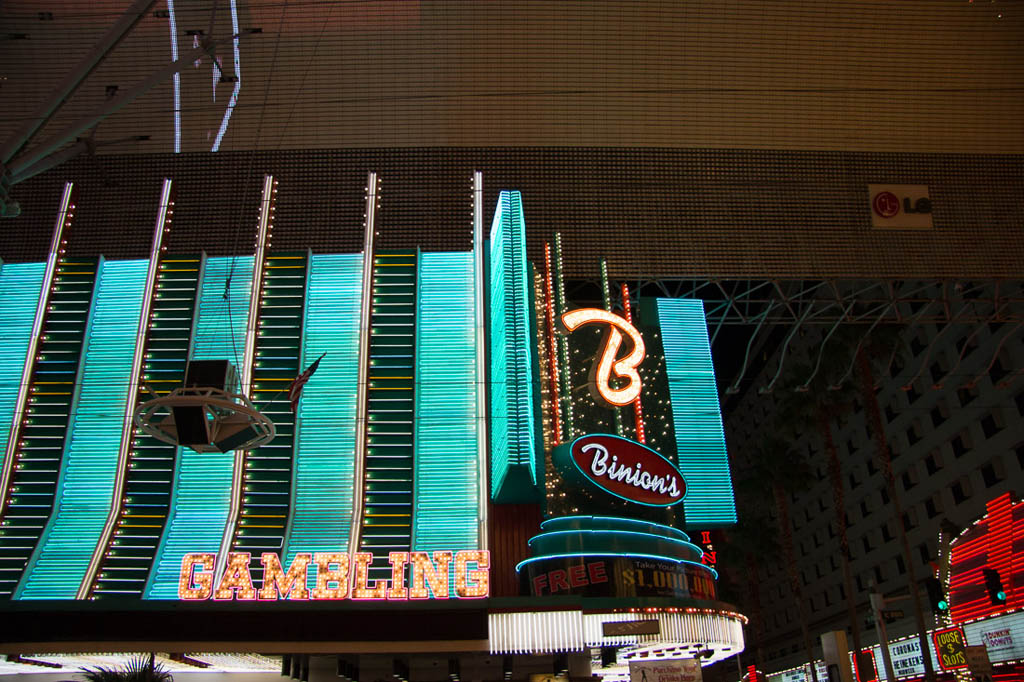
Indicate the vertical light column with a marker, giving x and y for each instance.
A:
(264, 224)
(202, 492)
(479, 310)
(365, 313)
(64, 215)
(20, 285)
(514, 476)
(325, 442)
(128, 426)
(700, 439)
(58, 565)
(447, 493)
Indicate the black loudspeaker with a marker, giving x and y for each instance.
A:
(212, 373)
(190, 421)
(233, 440)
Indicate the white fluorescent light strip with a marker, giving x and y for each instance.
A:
(128, 428)
(238, 473)
(238, 79)
(176, 77)
(481, 359)
(33, 344)
(364, 362)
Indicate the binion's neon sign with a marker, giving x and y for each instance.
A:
(607, 364)
(338, 576)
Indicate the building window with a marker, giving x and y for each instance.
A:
(879, 576)
(961, 444)
(932, 507)
(867, 544)
(885, 495)
(872, 469)
(901, 567)
(909, 479)
(912, 394)
(926, 556)
(890, 413)
(933, 463)
(864, 508)
(999, 370)
(991, 425)
(853, 481)
(909, 519)
(1020, 403)
(886, 533)
(992, 472)
(914, 434)
(966, 395)
(959, 492)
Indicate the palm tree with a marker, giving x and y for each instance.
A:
(873, 412)
(784, 471)
(138, 669)
(744, 546)
(816, 397)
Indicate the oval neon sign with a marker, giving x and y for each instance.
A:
(628, 470)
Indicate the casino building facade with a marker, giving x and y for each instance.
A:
(298, 436)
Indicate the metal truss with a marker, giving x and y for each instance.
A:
(770, 312)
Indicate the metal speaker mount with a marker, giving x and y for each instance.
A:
(206, 419)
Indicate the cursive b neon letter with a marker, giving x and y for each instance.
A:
(626, 368)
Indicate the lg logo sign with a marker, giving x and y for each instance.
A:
(887, 205)
(900, 206)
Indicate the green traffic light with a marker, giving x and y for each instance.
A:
(943, 605)
(1001, 596)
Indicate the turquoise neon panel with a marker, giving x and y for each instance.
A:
(325, 439)
(513, 431)
(201, 499)
(19, 295)
(696, 413)
(58, 565)
(446, 496)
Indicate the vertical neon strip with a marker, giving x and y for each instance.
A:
(552, 341)
(128, 426)
(64, 216)
(446, 496)
(638, 410)
(514, 473)
(325, 440)
(480, 334)
(238, 79)
(176, 77)
(263, 228)
(563, 340)
(20, 285)
(700, 440)
(606, 296)
(61, 559)
(201, 498)
(365, 312)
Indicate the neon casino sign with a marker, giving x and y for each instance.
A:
(624, 468)
(338, 576)
(607, 365)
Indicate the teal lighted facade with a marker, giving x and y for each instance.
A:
(514, 430)
(445, 498)
(83, 498)
(325, 446)
(696, 415)
(201, 498)
(19, 290)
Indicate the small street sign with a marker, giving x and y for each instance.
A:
(891, 615)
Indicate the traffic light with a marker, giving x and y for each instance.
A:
(936, 595)
(994, 585)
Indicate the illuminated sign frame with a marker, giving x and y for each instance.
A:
(338, 576)
(660, 479)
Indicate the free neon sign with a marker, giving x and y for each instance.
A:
(338, 575)
(607, 363)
